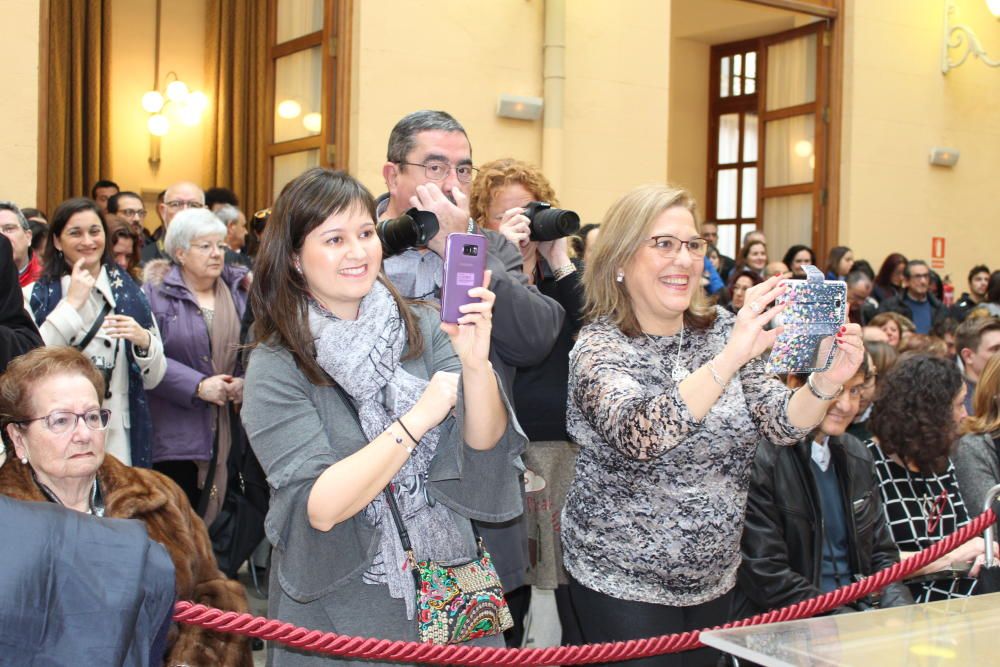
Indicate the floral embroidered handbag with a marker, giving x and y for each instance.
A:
(455, 603)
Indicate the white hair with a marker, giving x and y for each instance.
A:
(228, 214)
(188, 225)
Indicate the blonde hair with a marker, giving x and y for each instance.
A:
(986, 401)
(623, 231)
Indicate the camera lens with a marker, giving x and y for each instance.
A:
(549, 224)
(412, 229)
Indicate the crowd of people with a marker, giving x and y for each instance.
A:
(691, 485)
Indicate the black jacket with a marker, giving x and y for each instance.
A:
(782, 545)
(897, 304)
(18, 333)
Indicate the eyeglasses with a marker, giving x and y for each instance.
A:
(62, 422)
(437, 170)
(10, 229)
(920, 276)
(135, 212)
(670, 246)
(207, 248)
(178, 204)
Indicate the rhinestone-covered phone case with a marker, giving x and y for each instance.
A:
(815, 314)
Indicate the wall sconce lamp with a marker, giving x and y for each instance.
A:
(959, 35)
(177, 98)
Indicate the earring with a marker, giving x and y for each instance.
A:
(24, 460)
(621, 276)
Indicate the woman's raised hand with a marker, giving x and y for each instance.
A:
(848, 356)
(749, 337)
(80, 283)
(470, 337)
(434, 404)
(123, 326)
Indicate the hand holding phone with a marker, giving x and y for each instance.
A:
(814, 313)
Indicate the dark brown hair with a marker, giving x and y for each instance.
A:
(912, 415)
(279, 294)
(54, 264)
(24, 373)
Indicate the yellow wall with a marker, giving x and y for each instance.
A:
(19, 81)
(615, 114)
(449, 55)
(897, 106)
(182, 50)
(617, 75)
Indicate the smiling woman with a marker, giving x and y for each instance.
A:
(353, 397)
(667, 399)
(85, 300)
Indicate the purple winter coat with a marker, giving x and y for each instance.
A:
(182, 424)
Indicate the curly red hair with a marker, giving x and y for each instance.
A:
(501, 173)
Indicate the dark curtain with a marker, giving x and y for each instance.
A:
(77, 151)
(236, 79)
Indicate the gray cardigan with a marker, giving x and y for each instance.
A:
(298, 430)
(977, 469)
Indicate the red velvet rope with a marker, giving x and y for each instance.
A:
(330, 643)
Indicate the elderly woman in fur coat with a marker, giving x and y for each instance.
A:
(54, 427)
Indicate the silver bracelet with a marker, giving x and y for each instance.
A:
(820, 395)
(715, 374)
(563, 271)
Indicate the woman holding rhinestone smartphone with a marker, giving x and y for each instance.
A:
(667, 400)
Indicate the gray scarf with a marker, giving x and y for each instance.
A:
(362, 356)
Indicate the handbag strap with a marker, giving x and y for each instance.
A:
(390, 499)
(94, 328)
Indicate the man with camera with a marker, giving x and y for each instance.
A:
(429, 167)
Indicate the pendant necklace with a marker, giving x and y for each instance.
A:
(678, 373)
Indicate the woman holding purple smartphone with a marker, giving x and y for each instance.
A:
(667, 399)
(350, 390)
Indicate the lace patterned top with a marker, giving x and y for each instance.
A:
(655, 512)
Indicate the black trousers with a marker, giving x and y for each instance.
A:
(185, 475)
(608, 619)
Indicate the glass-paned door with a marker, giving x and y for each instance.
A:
(792, 110)
(733, 143)
(305, 87)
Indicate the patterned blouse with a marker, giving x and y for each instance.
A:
(655, 512)
(922, 510)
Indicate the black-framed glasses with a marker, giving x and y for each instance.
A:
(437, 170)
(670, 246)
(177, 204)
(63, 421)
(133, 213)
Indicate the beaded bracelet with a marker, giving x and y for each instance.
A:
(563, 271)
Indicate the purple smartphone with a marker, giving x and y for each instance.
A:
(464, 265)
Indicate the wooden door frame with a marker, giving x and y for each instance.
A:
(335, 40)
(828, 233)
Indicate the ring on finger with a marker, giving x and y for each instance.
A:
(755, 307)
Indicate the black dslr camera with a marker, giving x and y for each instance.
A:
(412, 229)
(549, 224)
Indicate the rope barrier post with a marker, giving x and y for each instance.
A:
(991, 496)
(330, 643)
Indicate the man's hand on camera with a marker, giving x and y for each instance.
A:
(452, 213)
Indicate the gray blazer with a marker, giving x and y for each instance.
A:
(298, 430)
(977, 469)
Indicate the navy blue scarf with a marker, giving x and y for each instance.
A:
(129, 300)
